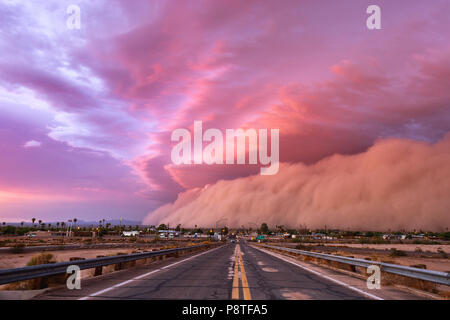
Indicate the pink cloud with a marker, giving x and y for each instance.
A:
(114, 95)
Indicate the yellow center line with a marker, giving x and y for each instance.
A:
(247, 295)
(235, 291)
(239, 264)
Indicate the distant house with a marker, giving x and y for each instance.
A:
(172, 233)
(394, 236)
(48, 234)
(130, 233)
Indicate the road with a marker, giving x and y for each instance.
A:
(233, 271)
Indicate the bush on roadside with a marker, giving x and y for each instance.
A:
(303, 247)
(426, 242)
(17, 248)
(397, 253)
(42, 258)
(373, 241)
(34, 284)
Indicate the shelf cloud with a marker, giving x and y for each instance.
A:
(396, 184)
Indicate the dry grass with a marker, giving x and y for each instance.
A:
(35, 284)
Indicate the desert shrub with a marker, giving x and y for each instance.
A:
(419, 266)
(155, 240)
(397, 253)
(42, 258)
(443, 253)
(425, 242)
(373, 241)
(33, 284)
(17, 248)
(303, 247)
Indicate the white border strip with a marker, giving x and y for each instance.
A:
(321, 274)
(144, 275)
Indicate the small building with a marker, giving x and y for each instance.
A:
(130, 233)
(394, 236)
(48, 234)
(168, 233)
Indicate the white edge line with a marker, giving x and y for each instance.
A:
(322, 275)
(144, 275)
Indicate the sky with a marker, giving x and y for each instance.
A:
(86, 115)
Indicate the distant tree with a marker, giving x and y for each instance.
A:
(75, 222)
(9, 230)
(178, 228)
(224, 230)
(162, 226)
(264, 228)
(21, 224)
(33, 220)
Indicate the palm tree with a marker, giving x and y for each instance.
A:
(33, 220)
(57, 225)
(75, 222)
(21, 224)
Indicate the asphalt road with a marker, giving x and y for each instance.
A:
(232, 271)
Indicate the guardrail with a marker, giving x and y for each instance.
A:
(410, 272)
(45, 270)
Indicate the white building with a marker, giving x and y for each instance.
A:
(130, 233)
